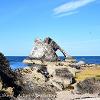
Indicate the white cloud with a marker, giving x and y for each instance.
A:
(71, 6)
(67, 14)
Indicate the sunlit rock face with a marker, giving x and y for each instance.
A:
(38, 50)
(61, 76)
(43, 51)
(34, 85)
(46, 50)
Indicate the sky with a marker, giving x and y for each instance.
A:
(73, 24)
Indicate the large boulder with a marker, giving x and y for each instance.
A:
(60, 76)
(32, 75)
(33, 91)
(34, 85)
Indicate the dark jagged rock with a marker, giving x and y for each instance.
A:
(4, 66)
(5, 70)
(64, 72)
(7, 76)
(54, 46)
(89, 85)
(33, 91)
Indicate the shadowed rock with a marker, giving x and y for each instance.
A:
(64, 72)
(7, 76)
(35, 91)
(89, 85)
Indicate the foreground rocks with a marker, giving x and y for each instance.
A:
(23, 84)
(8, 79)
(39, 82)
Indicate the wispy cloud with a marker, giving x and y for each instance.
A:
(71, 6)
(67, 14)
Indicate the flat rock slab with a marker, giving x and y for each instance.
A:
(69, 95)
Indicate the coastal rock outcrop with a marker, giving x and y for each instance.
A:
(47, 75)
(46, 50)
(54, 70)
(61, 74)
(34, 85)
(8, 79)
(62, 78)
(23, 84)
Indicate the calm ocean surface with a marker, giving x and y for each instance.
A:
(16, 61)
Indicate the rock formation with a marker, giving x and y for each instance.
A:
(8, 79)
(89, 85)
(44, 54)
(46, 50)
(60, 74)
(46, 75)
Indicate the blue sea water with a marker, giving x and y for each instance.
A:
(16, 61)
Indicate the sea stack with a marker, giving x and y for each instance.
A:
(46, 51)
(48, 77)
(55, 70)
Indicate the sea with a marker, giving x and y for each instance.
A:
(17, 61)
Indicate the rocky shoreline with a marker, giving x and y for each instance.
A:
(32, 84)
(47, 78)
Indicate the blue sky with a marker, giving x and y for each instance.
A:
(73, 24)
